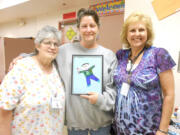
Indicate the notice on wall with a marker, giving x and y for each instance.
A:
(164, 8)
(70, 33)
(109, 8)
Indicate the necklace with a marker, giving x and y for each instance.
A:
(131, 63)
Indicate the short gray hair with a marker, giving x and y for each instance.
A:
(47, 32)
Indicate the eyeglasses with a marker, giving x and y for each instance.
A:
(49, 44)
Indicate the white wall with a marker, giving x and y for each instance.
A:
(167, 33)
(32, 25)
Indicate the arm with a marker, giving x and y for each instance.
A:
(14, 61)
(106, 101)
(91, 67)
(79, 70)
(11, 90)
(5, 122)
(167, 85)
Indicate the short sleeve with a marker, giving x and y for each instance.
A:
(164, 60)
(11, 88)
(118, 54)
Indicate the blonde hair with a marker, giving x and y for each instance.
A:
(133, 18)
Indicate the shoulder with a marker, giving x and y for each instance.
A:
(158, 51)
(67, 46)
(161, 51)
(163, 59)
(22, 66)
(25, 62)
(106, 51)
(122, 52)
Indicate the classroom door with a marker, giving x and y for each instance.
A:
(11, 48)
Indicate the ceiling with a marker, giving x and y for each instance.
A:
(37, 7)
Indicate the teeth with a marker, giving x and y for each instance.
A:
(137, 39)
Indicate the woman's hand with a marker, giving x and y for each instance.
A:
(5, 122)
(92, 97)
(14, 62)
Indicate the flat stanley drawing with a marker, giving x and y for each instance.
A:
(86, 69)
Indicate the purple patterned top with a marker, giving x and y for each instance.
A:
(139, 113)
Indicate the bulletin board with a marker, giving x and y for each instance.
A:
(164, 8)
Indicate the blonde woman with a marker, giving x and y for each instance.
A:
(143, 75)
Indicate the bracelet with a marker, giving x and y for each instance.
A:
(163, 131)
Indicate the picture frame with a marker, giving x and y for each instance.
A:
(70, 33)
(87, 74)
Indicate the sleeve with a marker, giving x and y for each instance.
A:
(92, 67)
(120, 53)
(164, 60)
(106, 101)
(82, 71)
(11, 88)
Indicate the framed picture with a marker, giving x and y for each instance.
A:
(69, 30)
(87, 74)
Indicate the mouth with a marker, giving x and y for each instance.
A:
(137, 39)
(52, 53)
(89, 34)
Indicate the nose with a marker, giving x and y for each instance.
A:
(88, 28)
(137, 32)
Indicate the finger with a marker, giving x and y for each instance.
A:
(14, 62)
(92, 93)
(85, 96)
(11, 65)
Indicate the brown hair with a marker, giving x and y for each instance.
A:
(87, 12)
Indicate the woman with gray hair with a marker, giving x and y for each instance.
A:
(32, 95)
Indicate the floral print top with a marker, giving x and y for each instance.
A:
(26, 90)
(139, 112)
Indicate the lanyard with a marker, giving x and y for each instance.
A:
(131, 63)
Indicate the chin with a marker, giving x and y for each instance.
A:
(138, 45)
(89, 38)
(51, 57)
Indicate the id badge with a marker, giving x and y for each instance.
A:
(55, 103)
(124, 89)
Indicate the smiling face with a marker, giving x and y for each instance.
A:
(137, 35)
(88, 30)
(48, 48)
